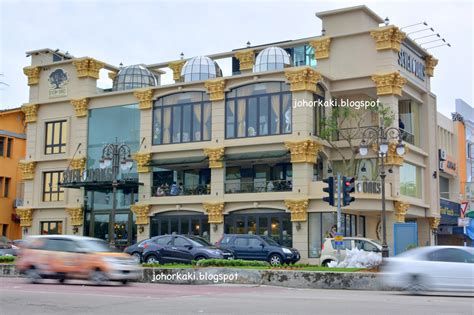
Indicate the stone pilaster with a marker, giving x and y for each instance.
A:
(27, 169)
(31, 112)
(389, 83)
(389, 37)
(78, 163)
(80, 106)
(298, 209)
(142, 159)
(215, 89)
(401, 209)
(304, 151)
(321, 47)
(430, 64)
(434, 223)
(215, 212)
(26, 216)
(246, 59)
(33, 74)
(88, 67)
(141, 212)
(177, 66)
(145, 98)
(302, 78)
(393, 159)
(76, 214)
(215, 156)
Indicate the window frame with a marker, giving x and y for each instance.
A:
(60, 191)
(52, 145)
(2, 146)
(58, 223)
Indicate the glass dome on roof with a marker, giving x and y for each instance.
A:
(271, 58)
(200, 68)
(133, 77)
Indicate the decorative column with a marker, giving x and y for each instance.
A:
(88, 67)
(33, 74)
(31, 112)
(215, 89)
(141, 212)
(303, 78)
(299, 219)
(215, 214)
(145, 98)
(389, 37)
(401, 210)
(321, 47)
(392, 158)
(142, 159)
(298, 209)
(27, 169)
(434, 223)
(77, 217)
(215, 156)
(389, 83)
(26, 219)
(430, 64)
(80, 106)
(177, 66)
(112, 75)
(246, 59)
(78, 163)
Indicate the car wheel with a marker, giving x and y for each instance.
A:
(415, 285)
(275, 260)
(32, 275)
(124, 282)
(199, 258)
(152, 259)
(326, 262)
(61, 280)
(98, 277)
(137, 257)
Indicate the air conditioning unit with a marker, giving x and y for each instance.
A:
(17, 203)
(441, 166)
(442, 155)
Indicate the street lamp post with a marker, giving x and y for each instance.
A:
(118, 157)
(381, 136)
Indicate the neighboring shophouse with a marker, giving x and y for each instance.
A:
(12, 150)
(221, 154)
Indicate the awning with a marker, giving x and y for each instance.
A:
(256, 155)
(178, 161)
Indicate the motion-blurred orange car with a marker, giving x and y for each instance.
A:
(74, 257)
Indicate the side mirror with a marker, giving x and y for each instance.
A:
(263, 245)
(188, 246)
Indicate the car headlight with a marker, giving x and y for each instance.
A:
(286, 251)
(216, 252)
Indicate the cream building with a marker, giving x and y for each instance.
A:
(243, 159)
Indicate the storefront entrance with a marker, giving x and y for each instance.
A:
(273, 223)
(180, 222)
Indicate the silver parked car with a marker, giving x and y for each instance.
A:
(431, 268)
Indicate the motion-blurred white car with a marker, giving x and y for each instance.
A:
(329, 251)
(431, 268)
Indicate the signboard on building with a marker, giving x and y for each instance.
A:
(57, 82)
(449, 165)
(368, 187)
(450, 212)
(410, 61)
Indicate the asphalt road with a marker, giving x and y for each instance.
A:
(19, 297)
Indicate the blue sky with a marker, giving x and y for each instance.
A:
(154, 31)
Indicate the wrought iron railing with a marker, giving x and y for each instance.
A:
(180, 190)
(257, 186)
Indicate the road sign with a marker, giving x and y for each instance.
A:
(464, 222)
(463, 208)
(338, 238)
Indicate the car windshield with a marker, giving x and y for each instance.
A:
(269, 241)
(199, 241)
(96, 246)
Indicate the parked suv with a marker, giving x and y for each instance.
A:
(256, 247)
(136, 250)
(74, 257)
(181, 249)
(329, 249)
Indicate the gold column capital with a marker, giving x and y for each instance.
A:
(76, 214)
(400, 210)
(215, 211)
(303, 78)
(27, 169)
(392, 158)
(215, 156)
(142, 158)
(215, 89)
(88, 67)
(145, 97)
(389, 83)
(434, 222)
(305, 151)
(321, 47)
(33, 74)
(30, 111)
(26, 216)
(388, 37)
(141, 212)
(80, 106)
(430, 63)
(177, 66)
(112, 75)
(246, 58)
(78, 163)
(298, 209)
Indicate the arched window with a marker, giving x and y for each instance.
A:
(319, 109)
(259, 109)
(182, 117)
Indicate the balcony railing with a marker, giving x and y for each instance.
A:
(407, 137)
(257, 186)
(350, 133)
(186, 190)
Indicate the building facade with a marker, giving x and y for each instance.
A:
(12, 150)
(241, 153)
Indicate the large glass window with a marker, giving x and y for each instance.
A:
(51, 189)
(303, 56)
(410, 180)
(444, 187)
(258, 110)
(319, 110)
(182, 117)
(408, 121)
(56, 137)
(51, 227)
(180, 223)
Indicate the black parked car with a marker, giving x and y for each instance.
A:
(181, 249)
(136, 249)
(256, 247)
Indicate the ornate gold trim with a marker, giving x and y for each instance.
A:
(303, 78)
(392, 157)
(246, 59)
(215, 89)
(215, 212)
(26, 216)
(388, 37)
(33, 74)
(27, 169)
(389, 83)
(321, 47)
(434, 222)
(298, 209)
(78, 163)
(145, 97)
(88, 67)
(31, 112)
(430, 63)
(112, 75)
(80, 106)
(305, 151)
(141, 212)
(215, 156)
(76, 214)
(142, 158)
(177, 66)
(400, 210)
